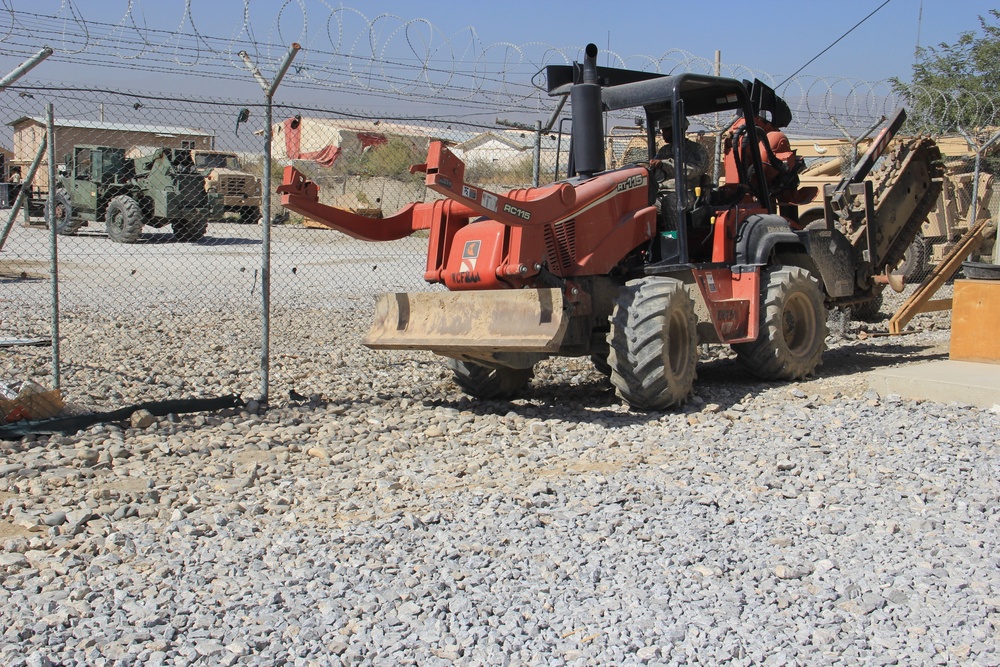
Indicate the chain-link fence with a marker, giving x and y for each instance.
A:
(157, 201)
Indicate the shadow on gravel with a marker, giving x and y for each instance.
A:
(716, 376)
(864, 357)
(166, 238)
(720, 381)
(6, 279)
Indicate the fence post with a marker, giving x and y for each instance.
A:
(974, 204)
(25, 193)
(50, 218)
(539, 130)
(717, 156)
(13, 76)
(855, 141)
(265, 262)
(25, 67)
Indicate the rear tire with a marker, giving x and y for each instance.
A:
(793, 327)
(599, 357)
(914, 267)
(64, 222)
(249, 216)
(189, 231)
(869, 311)
(654, 345)
(124, 220)
(485, 382)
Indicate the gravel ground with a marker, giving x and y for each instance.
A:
(382, 518)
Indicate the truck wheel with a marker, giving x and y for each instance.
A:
(869, 311)
(189, 231)
(654, 347)
(249, 216)
(486, 383)
(63, 215)
(124, 220)
(792, 327)
(599, 358)
(914, 266)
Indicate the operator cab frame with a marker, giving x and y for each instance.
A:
(669, 98)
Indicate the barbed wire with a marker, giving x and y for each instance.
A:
(413, 60)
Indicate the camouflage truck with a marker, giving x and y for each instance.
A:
(239, 190)
(156, 189)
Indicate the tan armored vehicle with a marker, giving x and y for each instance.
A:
(945, 222)
(240, 191)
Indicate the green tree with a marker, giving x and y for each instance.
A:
(391, 159)
(955, 86)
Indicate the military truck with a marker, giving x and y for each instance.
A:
(239, 190)
(160, 188)
(947, 220)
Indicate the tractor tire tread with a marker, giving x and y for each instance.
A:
(770, 357)
(648, 313)
(487, 383)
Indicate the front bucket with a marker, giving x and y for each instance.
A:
(454, 323)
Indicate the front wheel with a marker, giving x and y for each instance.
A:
(62, 215)
(487, 382)
(654, 345)
(249, 216)
(189, 231)
(914, 266)
(124, 220)
(868, 311)
(793, 327)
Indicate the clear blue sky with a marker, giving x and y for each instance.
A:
(775, 37)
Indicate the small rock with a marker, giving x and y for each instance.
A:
(119, 452)
(142, 419)
(10, 468)
(12, 562)
(789, 572)
(88, 455)
(647, 653)
(54, 519)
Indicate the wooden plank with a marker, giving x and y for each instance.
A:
(935, 305)
(938, 277)
(975, 320)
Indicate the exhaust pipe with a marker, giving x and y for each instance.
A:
(588, 126)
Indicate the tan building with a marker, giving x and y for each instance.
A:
(29, 131)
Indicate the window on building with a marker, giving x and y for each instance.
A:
(187, 144)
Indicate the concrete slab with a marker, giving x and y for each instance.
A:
(943, 381)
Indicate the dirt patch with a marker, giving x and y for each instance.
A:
(125, 485)
(254, 456)
(8, 530)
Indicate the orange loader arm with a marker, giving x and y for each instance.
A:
(531, 207)
(302, 196)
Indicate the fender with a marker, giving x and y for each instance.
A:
(760, 234)
(833, 257)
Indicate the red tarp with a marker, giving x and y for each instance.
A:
(327, 155)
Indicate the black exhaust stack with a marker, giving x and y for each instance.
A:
(588, 125)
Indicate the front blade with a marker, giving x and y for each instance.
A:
(455, 323)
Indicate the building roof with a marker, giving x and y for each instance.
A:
(115, 127)
(516, 140)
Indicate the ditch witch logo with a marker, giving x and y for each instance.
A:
(470, 253)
